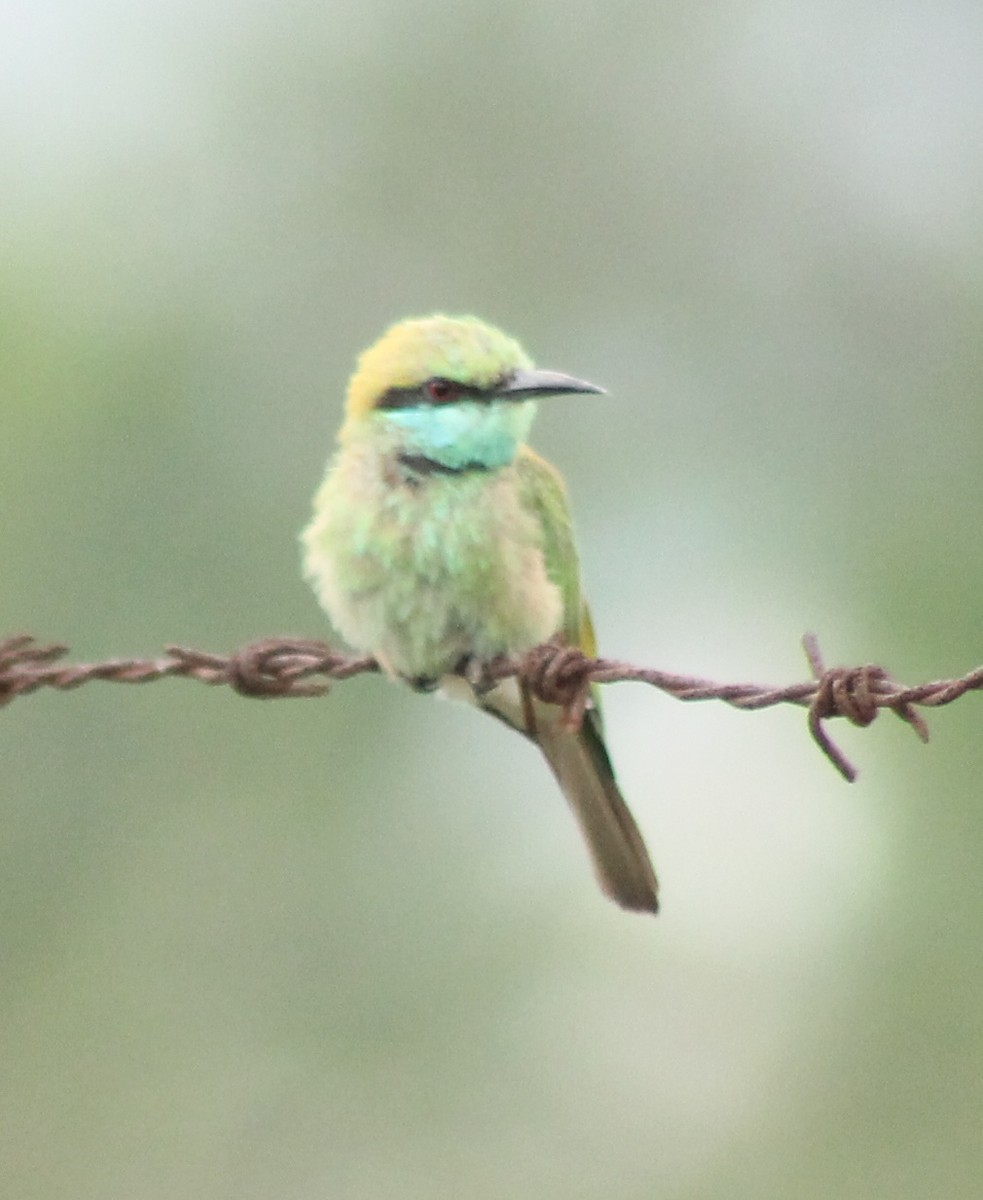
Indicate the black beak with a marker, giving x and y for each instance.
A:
(524, 385)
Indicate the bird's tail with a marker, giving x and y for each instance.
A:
(580, 762)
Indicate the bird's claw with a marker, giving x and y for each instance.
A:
(479, 675)
(423, 683)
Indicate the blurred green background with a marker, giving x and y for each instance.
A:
(351, 948)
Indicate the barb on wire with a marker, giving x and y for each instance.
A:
(275, 668)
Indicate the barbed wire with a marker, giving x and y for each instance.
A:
(282, 668)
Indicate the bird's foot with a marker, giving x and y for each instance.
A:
(479, 674)
(423, 683)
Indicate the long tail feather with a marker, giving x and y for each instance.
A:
(581, 765)
(583, 770)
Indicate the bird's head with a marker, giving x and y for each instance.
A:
(451, 389)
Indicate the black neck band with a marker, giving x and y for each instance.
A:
(419, 464)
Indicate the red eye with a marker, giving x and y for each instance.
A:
(441, 390)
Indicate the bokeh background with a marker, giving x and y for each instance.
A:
(351, 948)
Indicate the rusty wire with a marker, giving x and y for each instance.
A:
(275, 668)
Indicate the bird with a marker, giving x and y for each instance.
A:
(440, 542)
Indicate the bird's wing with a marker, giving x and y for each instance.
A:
(543, 492)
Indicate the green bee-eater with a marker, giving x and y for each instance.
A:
(440, 541)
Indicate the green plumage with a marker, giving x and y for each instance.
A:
(426, 573)
(440, 539)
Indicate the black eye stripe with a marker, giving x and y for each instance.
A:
(401, 398)
(420, 397)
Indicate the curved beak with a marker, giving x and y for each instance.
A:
(524, 385)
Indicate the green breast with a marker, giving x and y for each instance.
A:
(427, 569)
